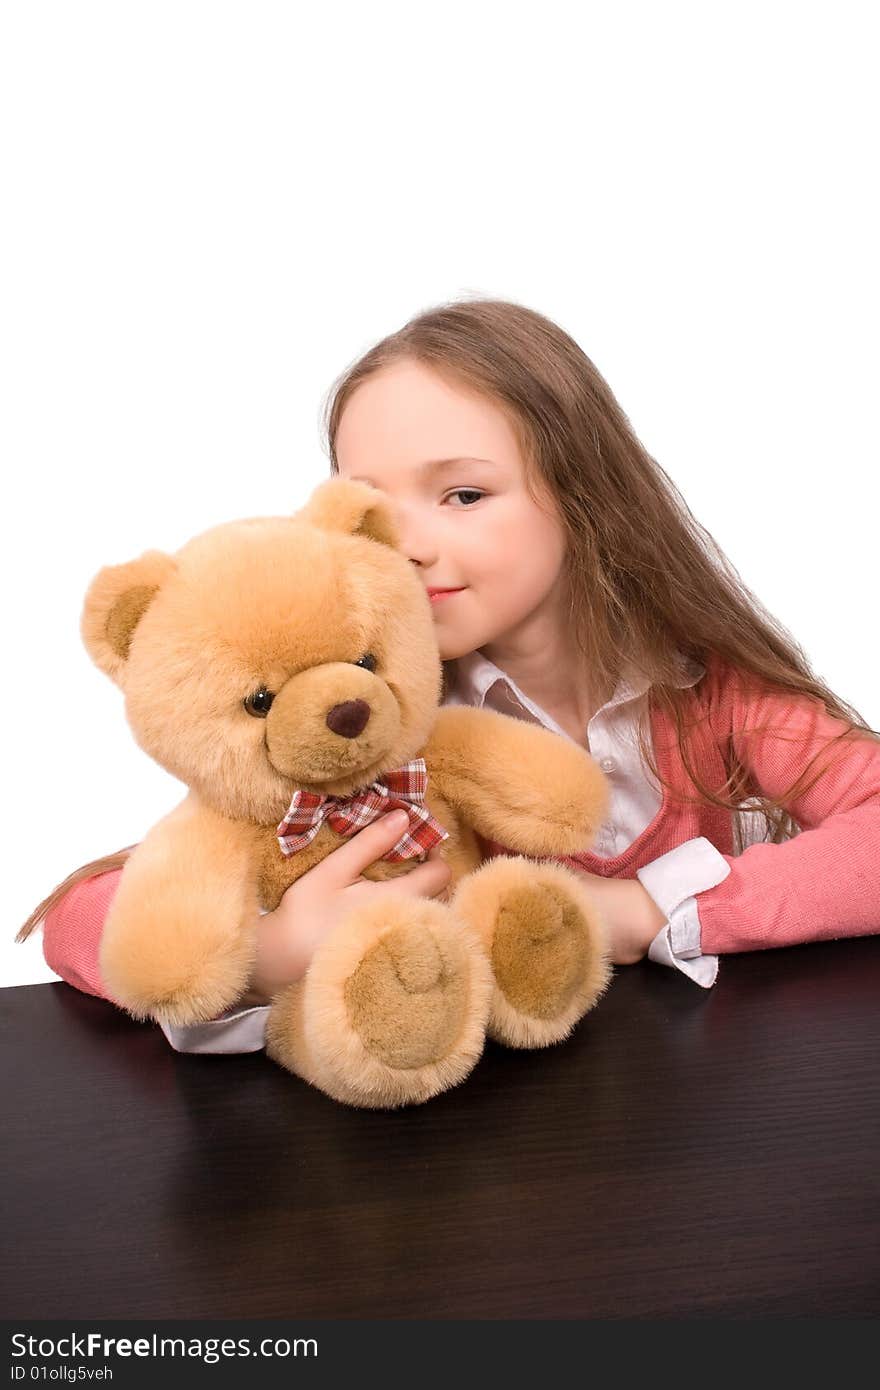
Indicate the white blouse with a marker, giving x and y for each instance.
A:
(636, 797)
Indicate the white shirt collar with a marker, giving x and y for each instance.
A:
(475, 676)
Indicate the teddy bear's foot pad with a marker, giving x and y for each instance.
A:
(408, 997)
(540, 951)
(394, 1008)
(546, 947)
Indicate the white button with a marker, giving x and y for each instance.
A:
(608, 764)
(606, 839)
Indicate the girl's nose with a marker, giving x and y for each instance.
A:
(350, 718)
(416, 541)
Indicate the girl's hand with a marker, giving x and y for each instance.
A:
(630, 913)
(318, 901)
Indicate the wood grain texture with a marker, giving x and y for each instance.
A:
(685, 1154)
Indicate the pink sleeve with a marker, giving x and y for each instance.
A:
(825, 882)
(72, 932)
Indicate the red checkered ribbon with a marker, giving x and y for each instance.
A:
(403, 789)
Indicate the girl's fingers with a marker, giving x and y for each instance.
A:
(429, 880)
(346, 864)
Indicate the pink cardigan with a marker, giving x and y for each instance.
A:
(823, 883)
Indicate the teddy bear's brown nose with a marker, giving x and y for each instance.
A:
(349, 719)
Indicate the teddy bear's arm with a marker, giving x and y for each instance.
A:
(178, 942)
(528, 788)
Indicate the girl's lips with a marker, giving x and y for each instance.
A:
(437, 595)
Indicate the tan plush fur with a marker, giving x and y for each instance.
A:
(397, 1001)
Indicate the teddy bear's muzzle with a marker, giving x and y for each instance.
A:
(330, 726)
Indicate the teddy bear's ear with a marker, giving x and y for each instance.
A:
(116, 600)
(354, 508)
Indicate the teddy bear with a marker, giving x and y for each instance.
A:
(286, 670)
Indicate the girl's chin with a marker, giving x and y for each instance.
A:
(451, 651)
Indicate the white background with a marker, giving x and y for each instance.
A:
(211, 209)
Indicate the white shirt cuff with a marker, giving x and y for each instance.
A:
(672, 880)
(238, 1030)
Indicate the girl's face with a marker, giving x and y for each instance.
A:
(451, 466)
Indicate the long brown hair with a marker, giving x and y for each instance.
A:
(645, 580)
(647, 584)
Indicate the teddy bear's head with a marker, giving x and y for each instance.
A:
(273, 654)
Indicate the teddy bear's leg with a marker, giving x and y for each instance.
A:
(546, 944)
(392, 1010)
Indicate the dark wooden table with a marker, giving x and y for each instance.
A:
(685, 1154)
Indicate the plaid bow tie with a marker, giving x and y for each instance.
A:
(404, 788)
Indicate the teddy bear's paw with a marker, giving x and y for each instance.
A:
(393, 1009)
(176, 986)
(546, 945)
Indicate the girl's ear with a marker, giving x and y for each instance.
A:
(116, 600)
(356, 509)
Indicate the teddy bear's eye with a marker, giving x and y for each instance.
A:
(368, 662)
(259, 702)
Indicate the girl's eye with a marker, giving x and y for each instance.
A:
(259, 702)
(368, 662)
(470, 492)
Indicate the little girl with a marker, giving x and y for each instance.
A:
(571, 586)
